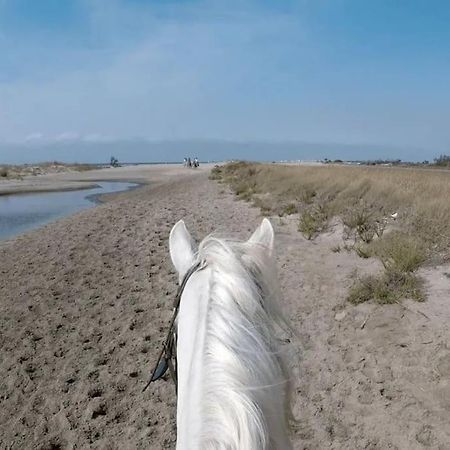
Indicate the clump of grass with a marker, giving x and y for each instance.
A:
(363, 251)
(216, 173)
(307, 195)
(3, 172)
(401, 255)
(400, 252)
(389, 287)
(363, 221)
(308, 225)
(313, 220)
(263, 203)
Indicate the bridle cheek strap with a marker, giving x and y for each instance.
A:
(167, 358)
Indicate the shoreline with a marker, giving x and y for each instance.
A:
(70, 181)
(36, 189)
(104, 197)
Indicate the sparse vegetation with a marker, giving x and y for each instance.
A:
(363, 222)
(313, 220)
(400, 252)
(291, 208)
(399, 215)
(216, 173)
(19, 171)
(442, 161)
(401, 255)
(362, 250)
(389, 287)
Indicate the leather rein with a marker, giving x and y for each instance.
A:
(167, 358)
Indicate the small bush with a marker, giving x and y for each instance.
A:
(3, 172)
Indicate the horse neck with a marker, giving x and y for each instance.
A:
(231, 387)
(191, 330)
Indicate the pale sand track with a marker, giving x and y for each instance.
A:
(84, 304)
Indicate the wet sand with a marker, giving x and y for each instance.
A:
(84, 304)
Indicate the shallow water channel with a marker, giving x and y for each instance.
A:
(23, 212)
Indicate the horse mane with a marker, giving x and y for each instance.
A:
(246, 393)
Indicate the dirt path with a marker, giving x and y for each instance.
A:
(84, 303)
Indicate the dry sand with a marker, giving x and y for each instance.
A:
(84, 304)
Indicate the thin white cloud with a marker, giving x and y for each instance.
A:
(32, 137)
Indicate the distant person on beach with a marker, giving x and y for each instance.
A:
(196, 163)
(189, 162)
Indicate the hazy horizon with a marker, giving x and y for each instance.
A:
(77, 76)
(140, 150)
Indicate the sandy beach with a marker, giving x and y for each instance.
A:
(84, 304)
(73, 180)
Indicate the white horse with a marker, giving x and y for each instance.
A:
(233, 381)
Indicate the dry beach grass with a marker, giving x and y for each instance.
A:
(401, 216)
(12, 171)
(85, 301)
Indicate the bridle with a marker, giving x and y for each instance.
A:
(167, 358)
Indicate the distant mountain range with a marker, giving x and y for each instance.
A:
(141, 150)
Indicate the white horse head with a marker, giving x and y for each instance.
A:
(233, 382)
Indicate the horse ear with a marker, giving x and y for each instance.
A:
(181, 248)
(264, 235)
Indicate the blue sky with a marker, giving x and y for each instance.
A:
(372, 72)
